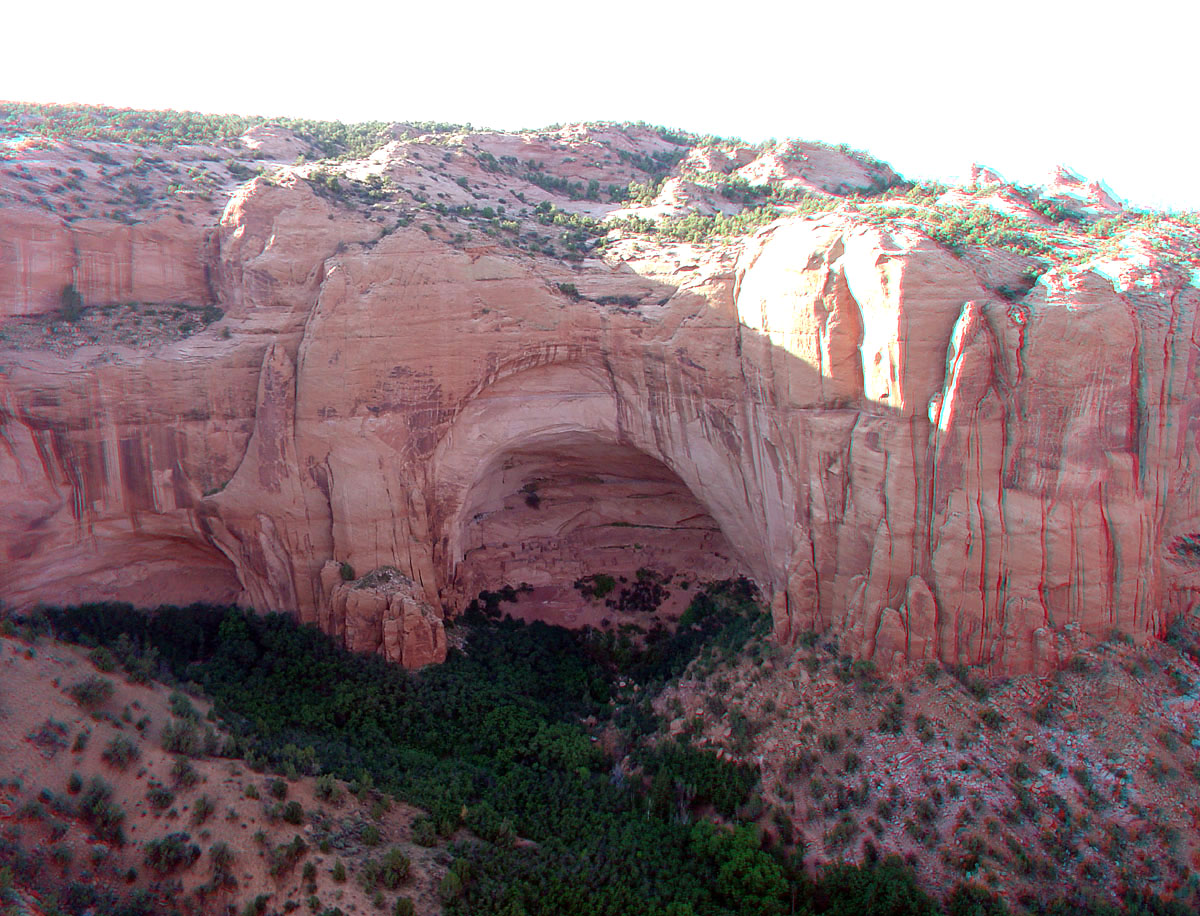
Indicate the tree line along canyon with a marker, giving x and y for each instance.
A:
(416, 519)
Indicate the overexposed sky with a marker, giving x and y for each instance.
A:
(931, 87)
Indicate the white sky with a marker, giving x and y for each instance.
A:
(929, 87)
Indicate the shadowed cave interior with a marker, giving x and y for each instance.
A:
(567, 513)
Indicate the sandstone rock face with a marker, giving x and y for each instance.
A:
(161, 261)
(844, 412)
(383, 612)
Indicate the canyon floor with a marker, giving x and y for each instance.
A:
(1086, 780)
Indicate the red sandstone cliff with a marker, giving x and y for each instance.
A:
(893, 439)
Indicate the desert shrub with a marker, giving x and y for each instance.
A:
(974, 685)
(892, 719)
(284, 857)
(293, 812)
(973, 900)
(389, 872)
(424, 832)
(181, 736)
(120, 752)
(451, 887)
(50, 737)
(991, 717)
(103, 659)
(328, 789)
(595, 586)
(222, 857)
(160, 797)
(98, 811)
(841, 833)
(171, 853)
(203, 809)
(183, 773)
(92, 692)
(182, 707)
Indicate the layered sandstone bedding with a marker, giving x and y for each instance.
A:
(946, 423)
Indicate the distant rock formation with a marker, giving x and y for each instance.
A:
(836, 406)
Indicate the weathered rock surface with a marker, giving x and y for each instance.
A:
(842, 410)
(383, 612)
(40, 254)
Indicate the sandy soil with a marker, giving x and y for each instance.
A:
(40, 729)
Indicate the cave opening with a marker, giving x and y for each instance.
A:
(601, 533)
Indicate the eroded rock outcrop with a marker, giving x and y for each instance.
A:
(838, 407)
(383, 612)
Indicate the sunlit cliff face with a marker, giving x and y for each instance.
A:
(905, 444)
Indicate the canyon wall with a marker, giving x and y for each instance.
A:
(384, 424)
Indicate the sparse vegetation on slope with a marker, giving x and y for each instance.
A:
(552, 750)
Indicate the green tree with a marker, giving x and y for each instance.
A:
(70, 303)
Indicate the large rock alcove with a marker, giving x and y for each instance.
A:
(570, 506)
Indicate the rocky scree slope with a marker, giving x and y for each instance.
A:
(947, 423)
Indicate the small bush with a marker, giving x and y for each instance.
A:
(160, 797)
(99, 812)
(172, 852)
(389, 872)
(892, 720)
(120, 752)
(182, 707)
(284, 858)
(92, 692)
(222, 857)
(328, 789)
(181, 737)
(103, 659)
(424, 832)
(203, 809)
(991, 718)
(183, 773)
(293, 812)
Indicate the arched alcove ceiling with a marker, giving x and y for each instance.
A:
(575, 505)
(547, 475)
